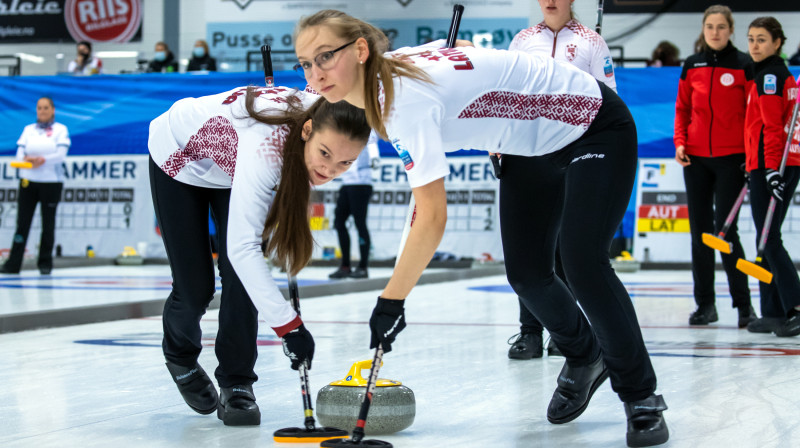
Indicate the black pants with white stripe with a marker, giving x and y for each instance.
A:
(182, 214)
(48, 194)
(578, 194)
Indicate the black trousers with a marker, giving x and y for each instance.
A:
(182, 213)
(528, 322)
(48, 194)
(581, 192)
(353, 200)
(783, 294)
(712, 186)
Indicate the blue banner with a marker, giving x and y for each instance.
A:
(231, 41)
(111, 114)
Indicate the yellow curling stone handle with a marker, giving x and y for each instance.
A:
(354, 378)
(23, 165)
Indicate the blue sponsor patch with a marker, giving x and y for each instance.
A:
(770, 84)
(608, 67)
(403, 153)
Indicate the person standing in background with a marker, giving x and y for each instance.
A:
(44, 144)
(769, 108)
(564, 39)
(201, 59)
(709, 144)
(163, 60)
(354, 200)
(84, 63)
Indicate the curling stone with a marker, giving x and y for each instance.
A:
(625, 263)
(129, 256)
(393, 405)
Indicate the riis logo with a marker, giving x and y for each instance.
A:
(103, 20)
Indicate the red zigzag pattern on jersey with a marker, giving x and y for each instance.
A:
(574, 110)
(216, 140)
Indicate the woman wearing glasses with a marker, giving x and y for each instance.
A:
(569, 159)
(250, 155)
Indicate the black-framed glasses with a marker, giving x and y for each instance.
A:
(324, 61)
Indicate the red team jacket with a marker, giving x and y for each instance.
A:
(770, 102)
(710, 109)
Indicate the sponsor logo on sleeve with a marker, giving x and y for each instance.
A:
(608, 67)
(408, 162)
(770, 84)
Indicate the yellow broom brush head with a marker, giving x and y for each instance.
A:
(717, 243)
(754, 270)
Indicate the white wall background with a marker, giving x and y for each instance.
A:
(681, 29)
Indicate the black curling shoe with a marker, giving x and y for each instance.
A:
(525, 346)
(195, 386)
(746, 315)
(576, 385)
(237, 406)
(703, 315)
(646, 425)
(791, 327)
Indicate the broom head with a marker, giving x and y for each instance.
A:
(717, 243)
(754, 270)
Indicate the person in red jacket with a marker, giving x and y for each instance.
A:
(769, 108)
(709, 144)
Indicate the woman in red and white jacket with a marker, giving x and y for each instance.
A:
(769, 108)
(709, 144)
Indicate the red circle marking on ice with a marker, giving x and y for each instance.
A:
(103, 20)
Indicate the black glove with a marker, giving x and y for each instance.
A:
(775, 183)
(388, 319)
(743, 167)
(298, 345)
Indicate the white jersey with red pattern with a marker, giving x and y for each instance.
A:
(574, 44)
(498, 101)
(212, 142)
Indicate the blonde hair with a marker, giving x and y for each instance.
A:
(376, 66)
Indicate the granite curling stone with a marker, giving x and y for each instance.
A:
(625, 263)
(129, 256)
(393, 405)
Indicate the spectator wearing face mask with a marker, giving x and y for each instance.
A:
(163, 60)
(201, 60)
(84, 63)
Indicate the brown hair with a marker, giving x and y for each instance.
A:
(714, 9)
(773, 27)
(203, 44)
(287, 234)
(667, 53)
(375, 67)
(49, 100)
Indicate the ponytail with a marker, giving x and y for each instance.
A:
(287, 234)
